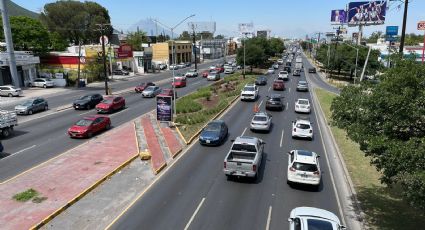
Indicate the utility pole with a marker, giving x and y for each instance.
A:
(79, 63)
(102, 32)
(194, 46)
(403, 30)
(9, 43)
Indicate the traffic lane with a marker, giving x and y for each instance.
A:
(43, 143)
(317, 80)
(67, 98)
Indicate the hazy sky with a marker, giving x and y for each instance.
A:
(288, 18)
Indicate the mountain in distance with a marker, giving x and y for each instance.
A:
(16, 10)
(151, 28)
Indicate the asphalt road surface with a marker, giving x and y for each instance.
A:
(195, 194)
(44, 137)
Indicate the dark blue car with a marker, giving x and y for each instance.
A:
(214, 133)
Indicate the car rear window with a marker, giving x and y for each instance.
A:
(249, 88)
(274, 99)
(260, 118)
(244, 147)
(305, 167)
(303, 102)
(303, 126)
(315, 224)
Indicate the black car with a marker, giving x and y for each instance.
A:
(312, 70)
(274, 102)
(120, 72)
(214, 133)
(87, 101)
(288, 63)
(287, 69)
(261, 80)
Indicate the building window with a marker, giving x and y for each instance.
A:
(169, 47)
(178, 47)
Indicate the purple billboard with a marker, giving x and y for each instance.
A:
(164, 108)
(366, 13)
(338, 17)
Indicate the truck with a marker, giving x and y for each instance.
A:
(299, 65)
(8, 120)
(244, 157)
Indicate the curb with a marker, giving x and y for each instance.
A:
(82, 194)
(181, 135)
(160, 168)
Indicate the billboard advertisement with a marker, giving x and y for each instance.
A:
(338, 17)
(366, 13)
(164, 108)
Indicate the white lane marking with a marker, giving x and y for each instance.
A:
(196, 83)
(194, 214)
(85, 112)
(289, 90)
(287, 105)
(260, 103)
(270, 88)
(281, 138)
(269, 218)
(243, 131)
(25, 149)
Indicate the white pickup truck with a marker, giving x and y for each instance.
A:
(244, 157)
(8, 120)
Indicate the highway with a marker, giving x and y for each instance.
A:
(43, 136)
(195, 194)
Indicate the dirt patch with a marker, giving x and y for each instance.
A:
(211, 103)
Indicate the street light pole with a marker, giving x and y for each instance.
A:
(357, 57)
(244, 44)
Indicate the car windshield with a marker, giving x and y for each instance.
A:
(85, 97)
(27, 103)
(249, 88)
(212, 127)
(303, 126)
(303, 102)
(108, 100)
(142, 84)
(305, 167)
(151, 88)
(302, 83)
(84, 122)
(260, 118)
(166, 91)
(319, 224)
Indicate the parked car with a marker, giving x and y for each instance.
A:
(303, 168)
(188, 64)
(142, 86)
(302, 86)
(304, 218)
(302, 106)
(162, 66)
(270, 71)
(274, 102)
(278, 85)
(219, 69)
(312, 70)
(31, 106)
(214, 133)
(244, 157)
(302, 128)
(261, 80)
(205, 73)
(111, 104)
(179, 82)
(213, 76)
(87, 101)
(88, 126)
(191, 73)
(10, 91)
(249, 92)
(42, 82)
(151, 91)
(120, 72)
(167, 92)
(261, 121)
(173, 67)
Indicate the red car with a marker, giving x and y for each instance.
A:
(142, 86)
(179, 82)
(278, 85)
(219, 69)
(88, 126)
(110, 104)
(166, 92)
(205, 73)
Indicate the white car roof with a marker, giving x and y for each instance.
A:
(261, 114)
(314, 212)
(304, 156)
(303, 121)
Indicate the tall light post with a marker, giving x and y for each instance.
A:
(173, 58)
(357, 57)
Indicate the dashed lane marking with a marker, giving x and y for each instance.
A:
(194, 214)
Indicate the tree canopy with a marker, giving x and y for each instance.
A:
(135, 39)
(258, 50)
(76, 21)
(388, 121)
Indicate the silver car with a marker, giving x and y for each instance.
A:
(151, 91)
(31, 106)
(261, 122)
(302, 86)
(42, 82)
(10, 91)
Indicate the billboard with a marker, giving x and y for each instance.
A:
(366, 13)
(338, 17)
(164, 108)
(262, 33)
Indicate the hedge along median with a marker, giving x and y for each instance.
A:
(195, 110)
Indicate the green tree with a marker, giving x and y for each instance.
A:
(57, 42)
(28, 34)
(388, 122)
(76, 21)
(93, 70)
(254, 55)
(373, 38)
(135, 40)
(276, 46)
(185, 36)
(220, 36)
(413, 39)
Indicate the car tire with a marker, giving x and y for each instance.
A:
(89, 135)
(30, 85)
(46, 107)
(30, 112)
(10, 95)
(44, 86)
(108, 126)
(6, 132)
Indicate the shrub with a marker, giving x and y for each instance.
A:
(187, 105)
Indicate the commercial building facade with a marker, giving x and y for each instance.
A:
(26, 65)
(162, 52)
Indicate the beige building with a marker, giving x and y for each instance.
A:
(161, 52)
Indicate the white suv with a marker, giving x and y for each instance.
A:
(249, 92)
(302, 106)
(302, 128)
(283, 75)
(303, 168)
(304, 218)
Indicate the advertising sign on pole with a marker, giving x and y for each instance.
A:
(391, 33)
(338, 17)
(164, 111)
(104, 38)
(366, 13)
(421, 26)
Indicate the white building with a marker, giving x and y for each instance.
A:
(26, 65)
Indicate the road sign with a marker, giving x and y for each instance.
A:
(391, 30)
(105, 38)
(421, 25)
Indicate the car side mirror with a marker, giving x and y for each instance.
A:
(290, 219)
(232, 140)
(342, 227)
(263, 143)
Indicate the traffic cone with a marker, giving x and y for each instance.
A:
(256, 109)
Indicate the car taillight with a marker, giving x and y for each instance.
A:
(224, 164)
(295, 129)
(254, 168)
(292, 169)
(316, 173)
(311, 131)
